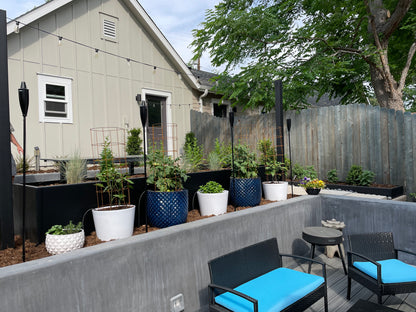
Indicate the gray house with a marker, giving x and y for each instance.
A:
(84, 61)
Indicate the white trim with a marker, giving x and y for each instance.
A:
(168, 96)
(50, 79)
(55, 76)
(136, 9)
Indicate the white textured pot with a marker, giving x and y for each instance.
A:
(57, 244)
(212, 203)
(114, 224)
(275, 191)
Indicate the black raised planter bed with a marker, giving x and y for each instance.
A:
(391, 192)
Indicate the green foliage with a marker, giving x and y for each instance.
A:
(268, 158)
(75, 169)
(214, 162)
(332, 176)
(358, 176)
(164, 172)
(211, 187)
(193, 153)
(223, 152)
(112, 181)
(67, 229)
(354, 175)
(316, 47)
(413, 196)
(19, 163)
(134, 142)
(245, 164)
(299, 172)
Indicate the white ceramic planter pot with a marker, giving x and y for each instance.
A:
(212, 204)
(275, 191)
(114, 224)
(58, 244)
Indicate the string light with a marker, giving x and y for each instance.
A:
(60, 38)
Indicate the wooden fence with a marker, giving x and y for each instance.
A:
(336, 137)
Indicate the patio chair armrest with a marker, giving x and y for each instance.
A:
(310, 260)
(405, 251)
(234, 292)
(351, 253)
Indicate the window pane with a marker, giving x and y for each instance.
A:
(55, 109)
(55, 92)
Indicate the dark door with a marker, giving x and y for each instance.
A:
(157, 133)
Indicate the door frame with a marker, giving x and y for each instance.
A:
(168, 96)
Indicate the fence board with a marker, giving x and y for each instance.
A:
(335, 137)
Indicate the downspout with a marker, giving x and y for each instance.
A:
(200, 99)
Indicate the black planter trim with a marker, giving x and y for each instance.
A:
(392, 192)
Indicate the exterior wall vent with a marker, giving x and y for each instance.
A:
(109, 25)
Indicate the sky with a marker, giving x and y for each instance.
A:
(175, 21)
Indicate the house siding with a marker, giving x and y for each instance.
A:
(103, 86)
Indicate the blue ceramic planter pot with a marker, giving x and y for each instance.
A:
(245, 192)
(167, 208)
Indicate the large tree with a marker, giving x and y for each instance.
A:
(350, 49)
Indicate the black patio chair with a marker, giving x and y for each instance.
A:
(373, 262)
(253, 279)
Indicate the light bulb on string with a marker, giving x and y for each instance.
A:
(17, 29)
(128, 61)
(96, 52)
(59, 40)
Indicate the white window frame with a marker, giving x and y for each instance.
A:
(43, 80)
(217, 101)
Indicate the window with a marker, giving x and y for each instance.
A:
(55, 99)
(108, 27)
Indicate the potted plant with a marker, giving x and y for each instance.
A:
(245, 184)
(312, 187)
(212, 198)
(167, 204)
(115, 218)
(61, 239)
(273, 188)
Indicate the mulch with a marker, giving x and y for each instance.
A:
(35, 251)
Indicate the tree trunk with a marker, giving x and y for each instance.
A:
(386, 96)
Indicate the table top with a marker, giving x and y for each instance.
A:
(321, 235)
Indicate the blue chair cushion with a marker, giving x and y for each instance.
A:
(274, 291)
(392, 270)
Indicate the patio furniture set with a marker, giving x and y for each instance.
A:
(254, 279)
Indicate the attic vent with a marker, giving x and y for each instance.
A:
(109, 27)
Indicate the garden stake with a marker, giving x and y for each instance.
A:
(24, 105)
(143, 118)
(231, 119)
(289, 125)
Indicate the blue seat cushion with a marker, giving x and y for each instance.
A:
(392, 270)
(274, 291)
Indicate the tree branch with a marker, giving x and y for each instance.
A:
(405, 70)
(393, 22)
(357, 28)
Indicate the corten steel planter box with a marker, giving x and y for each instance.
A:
(392, 192)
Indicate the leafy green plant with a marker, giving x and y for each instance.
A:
(366, 178)
(64, 230)
(300, 172)
(193, 153)
(332, 176)
(245, 164)
(112, 181)
(164, 172)
(358, 176)
(224, 153)
(268, 157)
(413, 196)
(75, 169)
(214, 162)
(211, 187)
(134, 142)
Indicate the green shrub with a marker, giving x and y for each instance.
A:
(19, 163)
(214, 162)
(366, 178)
(356, 176)
(332, 176)
(75, 169)
(224, 153)
(193, 157)
(299, 172)
(245, 164)
(67, 229)
(134, 142)
(211, 187)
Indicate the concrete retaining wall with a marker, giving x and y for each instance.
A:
(143, 272)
